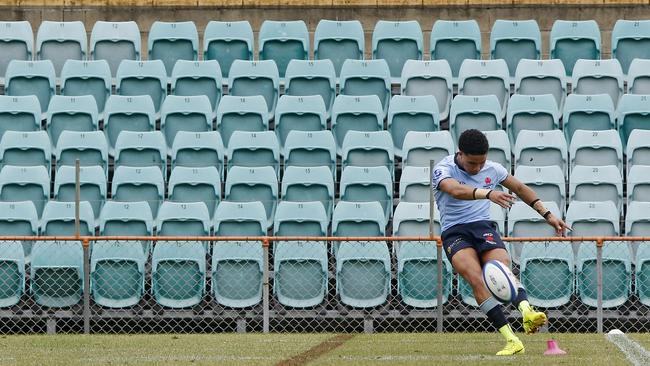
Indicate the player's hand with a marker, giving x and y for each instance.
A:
(559, 225)
(502, 199)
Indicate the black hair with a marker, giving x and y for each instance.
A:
(473, 142)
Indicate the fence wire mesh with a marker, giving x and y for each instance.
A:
(198, 286)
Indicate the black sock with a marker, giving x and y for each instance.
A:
(521, 296)
(492, 308)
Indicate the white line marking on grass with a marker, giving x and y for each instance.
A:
(633, 351)
(158, 359)
(407, 358)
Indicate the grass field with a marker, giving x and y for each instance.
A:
(303, 349)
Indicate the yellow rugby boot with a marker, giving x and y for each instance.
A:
(532, 318)
(513, 347)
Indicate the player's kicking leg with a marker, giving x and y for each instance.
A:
(532, 319)
(467, 264)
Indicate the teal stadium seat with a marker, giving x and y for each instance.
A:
(411, 113)
(92, 186)
(538, 77)
(198, 149)
(61, 41)
(617, 269)
(127, 219)
(283, 41)
(592, 219)
(434, 78)
(191, 78)
(247, 184)
(300, 219)
(414, 185)
(184, 219)
(56, 273)
(114, 42)
(630, 40)
(315, 77)
(237, 273)
(199, 184)
(309, 184)
(142, 78)
(78, 113)
(524, 221)
(240, 219)
(396, 42)
(548, 182)
(478, 112)
(363, 273)
(367, 77)
(141, 149)
(596, 148)
(23, 148)
(637, 223)
(339, 40)
(173, 41)
(254, 149)
(227, 41)
(638, 184)
(412, 219)
(358, 219)
(17, 43)
(571, 40)
(241, 114)
(178, 277)
(638, 77)
(499, 150)
(134, 184)
(59, 219)
(531, 112)
(25, 78)
(310, 149)
(455, 41)
(637, 150)
(184, 113)
(299, 113)
(355, 113)
(541, 148)
(633, 113)
(547, 271)
(514, 40)
(368, 149)
(80, 78)
(300, 273)
(250, 78)
(421, 147)
(25, 183)
(596, 183)
(485, 77)
(135, 113)
(642, 273)
(12, 273)
(19, 114)
(368, 184)
(117, 273)
(19, 219)
(598, 77)
(90, 148)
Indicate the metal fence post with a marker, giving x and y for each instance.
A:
(265, 289)
(440, 287)
(599, 281)
(432, 210)
(86, 304)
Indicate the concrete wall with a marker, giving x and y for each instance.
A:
(88, 12)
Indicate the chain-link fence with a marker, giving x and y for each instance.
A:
(215, 284)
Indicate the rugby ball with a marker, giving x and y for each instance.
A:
(500, 281)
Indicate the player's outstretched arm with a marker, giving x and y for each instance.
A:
(465, 192)
(530, 198)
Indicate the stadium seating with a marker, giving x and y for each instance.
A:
(636, 219)
(637, 150)
(254, 149)
(638, 77)
(22, 148)
(598, 77)
(414, 185)
(114, 42)
(363, 273)
(513, 40)
(642, 269)
(358, 219)
(184, 113)
(300, 219)
(18, 43)
(300, 184)
(246, 184)
(178, 276)
(183, 219)
(396, 42)
(240, 219)
(117, 272)
(630, 40)
(571, 40)
(191, 78)
(366, 77)
(421, 147)
(198, 149)
(299, 113)
(19, 114)
(25, 183)
(541, 148)
(24, 78)
(134, 184)
(79, 78)
(310, 149)
(368, 149)
(56, 273)
(141, 149)
(548, 182)
(355, 113)
(237, 271)
(135, 113)
(142, 78)
(478, 112)
(19, 218)
(305, 78)
(12, 262)
(249, 78)
(524, 221)
(89, 147)
(633, 113)
(547, 271)
(596, 148)
(538, 77)
(412, 219)
(592, 219)
(300, 273)
(485, 77)
(283, 41)
(638, 184)
(411, 113)
(173, 41)
(226, 42)
(617, 268)
(92, 186)
(59, 219)
(368, 184)
(434, 78)
(61, 41)
(78, 113)
(499, 150)
(197, 184)
(455, 41)
(241, 114)
(127, 219)
(339, 40)
(531, 112)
